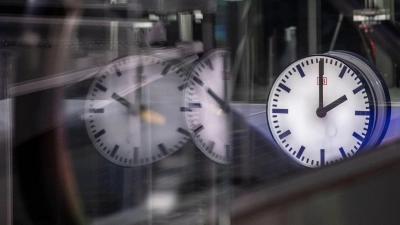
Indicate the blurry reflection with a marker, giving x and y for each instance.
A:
(136, 162)
(133, 110)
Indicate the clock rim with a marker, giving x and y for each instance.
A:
(371, 95)
(190, 74)
(385, 90)
(174, 66)
(368, 91)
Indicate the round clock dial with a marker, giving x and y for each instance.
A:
(206, 105)
(321, 110)
(133, 110)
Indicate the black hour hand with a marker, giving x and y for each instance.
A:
(222, 104)
(321, 111)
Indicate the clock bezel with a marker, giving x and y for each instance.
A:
(190, 75)
(384, 88)
(136, 59)
(368, 92)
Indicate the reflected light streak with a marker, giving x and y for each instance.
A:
(162, 202)
(152, 117)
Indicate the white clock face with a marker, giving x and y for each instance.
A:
(318, 123)
(206, 106)
(133, 111)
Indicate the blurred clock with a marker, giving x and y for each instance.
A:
(133, 112)
(206, 105)
(326, 108)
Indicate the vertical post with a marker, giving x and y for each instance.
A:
(207, 31)
(271, 77)
(113, 31)
(7, 68)
(291, 41)
(313, 8)
(246, 77)
(384, 62)
(185, 27)
(385, 65)
(127, 173)
(114, 35)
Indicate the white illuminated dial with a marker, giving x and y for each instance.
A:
(133, 111)
(320, 110)
(206, 105)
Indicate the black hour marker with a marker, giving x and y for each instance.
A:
(342, 72)
(114, 151)
(198, 129)
(198, 81)
(183, 131)
(166, 69)
(211, 145)
(284, 111)
(209, 64)
(101, 87)
(284, 134)
(190, 107)
(358, 89)
(300, 153)
(343, 153)
(362, 113)
(322, 157)
(163, 149)
(117, 70)
(358, 136)
(194, 105)
(98, 134)
(300, 70)
(96, 110)
(183, 86)
(284, 87)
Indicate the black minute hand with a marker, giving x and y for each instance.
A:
(321, 112)
(321, 83)
(224, 106)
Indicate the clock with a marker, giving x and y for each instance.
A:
(133, 112)
(206, 105)
(326, 108)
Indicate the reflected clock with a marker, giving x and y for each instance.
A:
(133, 112)
(326, 108)
(206, 105)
